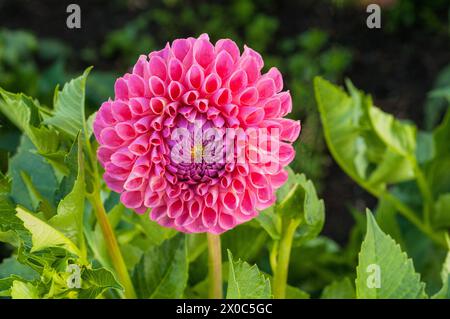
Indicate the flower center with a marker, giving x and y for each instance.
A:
(197, 151)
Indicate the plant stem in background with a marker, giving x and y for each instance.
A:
(112, 246)
(214, 266)
(282, 265)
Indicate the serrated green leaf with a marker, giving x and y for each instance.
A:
(69, 109)
(69, 217)
(43, 235)
(340, 289)
(97, 281)
(246, 282)
(371, 146)
(384, 271)
(24, 290)
(444, 292)
(39, 172)
(23, 112)
(162, 271)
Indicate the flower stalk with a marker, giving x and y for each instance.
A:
(214, 266)
(112, 246)
(283, 255)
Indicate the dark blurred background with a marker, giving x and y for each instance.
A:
(398, 64)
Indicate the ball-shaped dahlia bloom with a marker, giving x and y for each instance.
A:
(197, 134)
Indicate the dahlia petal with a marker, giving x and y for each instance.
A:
(121, 89)
(276, 76)
(121, 111)
(258, 180)
(195, 208)
(227, 221)
(250, 66)
(286, 153)
(211, 197)
(211, 84)
(104, 154)
(157, 86)
(201, 105)
(133, 183)
(139, 106)
(131, 199)
(209, 217)
(279, 179)
(249, 96)
(229, 200)
(158, 67)
(143, 125)
(266, 88)
(203, 52)
(237, 81)
(110, 137)
(125, 131)
(230, 47)
(136, 86)
(255, 55)
(190, 97)
(224, 64)
(122, 158)
(180, 48)
(286, 103)
(113, 183)
(175, 90)
(251, 115)
(176, 69)
(272, 108)
(171, 109)
(158, 212)
(195, 77)
(175, 208)
(290, 129)
(248, 203)
(140, 145)
(105, 113)
(222, 97)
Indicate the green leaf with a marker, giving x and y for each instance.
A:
(302, 203)
(271, 222)
(12, 266)
(24, 290)
(97, 281)
(39, 176)
(384, 271)
(444, 292)
(43, 235)
(69, 109)
(69, 217)
(24, 113)
(371, 146)
(340, 289)
(163, 270)
(441, 218)
(246, 282)
(296, 293)
(246, 241)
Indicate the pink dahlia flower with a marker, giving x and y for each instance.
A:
(157, 147)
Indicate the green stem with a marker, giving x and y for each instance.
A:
(112, 246)
(426, 193)
(282, 265)
(412, 217)
(214, 266)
